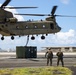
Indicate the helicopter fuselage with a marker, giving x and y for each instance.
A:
(28, 28)
(10, 26)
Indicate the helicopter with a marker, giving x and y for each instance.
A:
(10, 26)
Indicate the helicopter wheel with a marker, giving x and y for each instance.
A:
(46, 34)
(12, 37)
(32, 38)
(2, 38)
(42, 37)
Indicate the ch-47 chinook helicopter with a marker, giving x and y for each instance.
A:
(10, 26)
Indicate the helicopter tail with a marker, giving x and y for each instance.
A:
(51, 18)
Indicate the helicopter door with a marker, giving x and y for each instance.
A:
(52, 26)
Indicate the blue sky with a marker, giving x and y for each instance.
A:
(67, 36)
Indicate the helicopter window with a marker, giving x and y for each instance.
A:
(17, 27)
(51, 25)
(26, 26)
(43, 26)
(35, 26)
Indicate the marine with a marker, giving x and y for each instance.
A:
(49, 55)
(60, 58)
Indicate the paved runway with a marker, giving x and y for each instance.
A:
(9, 60)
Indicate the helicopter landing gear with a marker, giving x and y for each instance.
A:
(32, 38)
(42, 37)
(2, 38)
(46, 34)
(12, 37)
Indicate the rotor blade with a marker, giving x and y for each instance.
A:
(53, 10)
(34, 14)
(5, 3)
(20, 7)
(64, 16)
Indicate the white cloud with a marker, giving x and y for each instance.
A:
(65, 1)
(66, 38)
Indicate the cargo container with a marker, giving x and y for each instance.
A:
(26, 52)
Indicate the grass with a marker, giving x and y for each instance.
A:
(37, 71)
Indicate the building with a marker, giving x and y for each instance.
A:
(64, 49)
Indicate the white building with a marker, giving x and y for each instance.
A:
(64, 49)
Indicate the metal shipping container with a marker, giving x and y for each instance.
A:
(26, 52)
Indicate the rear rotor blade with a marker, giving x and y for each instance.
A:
(64, 16)
(53, 10)
(20, 7)
(45, 15)
(5, 3)
(34, 14)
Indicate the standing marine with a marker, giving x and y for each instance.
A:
(60, 58)
(49, 55)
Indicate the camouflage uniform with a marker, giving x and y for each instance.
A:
(49, 54)
(60, 58)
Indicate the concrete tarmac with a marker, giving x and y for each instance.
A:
(9, 60)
